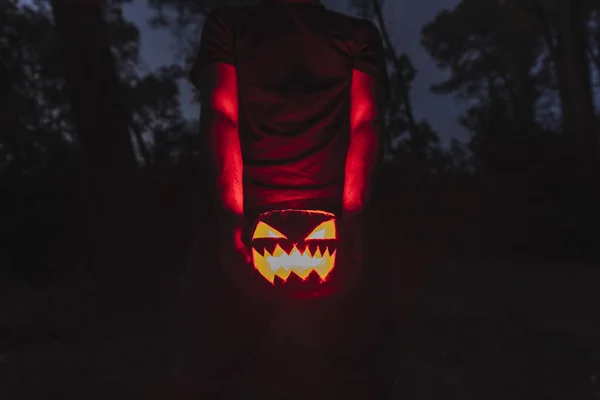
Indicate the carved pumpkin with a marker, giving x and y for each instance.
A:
(295, 250)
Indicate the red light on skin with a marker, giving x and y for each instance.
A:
(224, 136)
(363, 150)
(222, 99)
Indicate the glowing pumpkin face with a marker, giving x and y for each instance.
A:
(295, 247)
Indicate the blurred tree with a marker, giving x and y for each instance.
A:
(594, 43)
(500, 69)
(414, 145)
(528, 92)
(507, 60)
(97, 94)
(568, 30)
(38, 147)
(184, 19)
(43, 156)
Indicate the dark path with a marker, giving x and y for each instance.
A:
(477, 331)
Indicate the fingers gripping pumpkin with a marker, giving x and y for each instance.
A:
(295, 247)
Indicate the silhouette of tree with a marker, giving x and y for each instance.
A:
(568, 30)
(594, 43)
(97, 95)
(511, 71)
(414, 145)
(44, 156)
(493, 64)
(527, 91)
(184, 19)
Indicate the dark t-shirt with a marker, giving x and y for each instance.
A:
(294, 63)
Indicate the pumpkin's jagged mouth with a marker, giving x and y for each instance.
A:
(282, 264)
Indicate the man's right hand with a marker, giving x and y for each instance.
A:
(233, 252)
(352, 236)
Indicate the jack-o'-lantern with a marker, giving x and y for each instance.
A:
(295, 250)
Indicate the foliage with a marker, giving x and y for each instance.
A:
(37, 143)
(40, 157)
(43, 105)
(502, 62)
(494, 63)
(506, 71)
(413, 145)
(184, 18)
(506, 63)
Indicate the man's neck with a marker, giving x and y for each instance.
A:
(294, 1)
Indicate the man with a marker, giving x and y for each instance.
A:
(290, 110)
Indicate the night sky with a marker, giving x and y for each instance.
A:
(405, 18)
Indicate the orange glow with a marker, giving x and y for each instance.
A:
(282, 264)
(263, 231)
(324, 231)
(314, 252)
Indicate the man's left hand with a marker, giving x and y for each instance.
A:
(352, 244)
(234, 255)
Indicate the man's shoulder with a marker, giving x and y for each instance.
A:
(353, 29)
(360, 24)
(352, 22)
(253, 13)
(349, 19)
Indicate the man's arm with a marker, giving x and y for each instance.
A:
(364, 147)
(218, 88)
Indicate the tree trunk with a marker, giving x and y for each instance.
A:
(573, 41)
(534, 15)
(581, 215)
(102, 120)
(99, 110)
(403, 89)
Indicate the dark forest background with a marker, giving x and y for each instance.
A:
(102, 179)
(89, 141)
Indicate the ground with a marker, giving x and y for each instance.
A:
(474, 329)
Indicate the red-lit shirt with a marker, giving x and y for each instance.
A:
(294, 63)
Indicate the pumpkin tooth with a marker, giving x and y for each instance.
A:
(302, 248)
(262, 265)
(283, 273)
(295, 252)
(326, 266)
(287, 246)
(313, 247)
(322, 247)
(307, 251)
(303, 274)
(318, 253)
(270, 246)
(278, 251)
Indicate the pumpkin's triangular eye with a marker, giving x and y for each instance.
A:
(326, 230)
(264, 231)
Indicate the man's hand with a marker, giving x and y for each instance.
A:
(352, 236)
(233, 252)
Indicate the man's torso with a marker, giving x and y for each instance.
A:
(294, 64)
